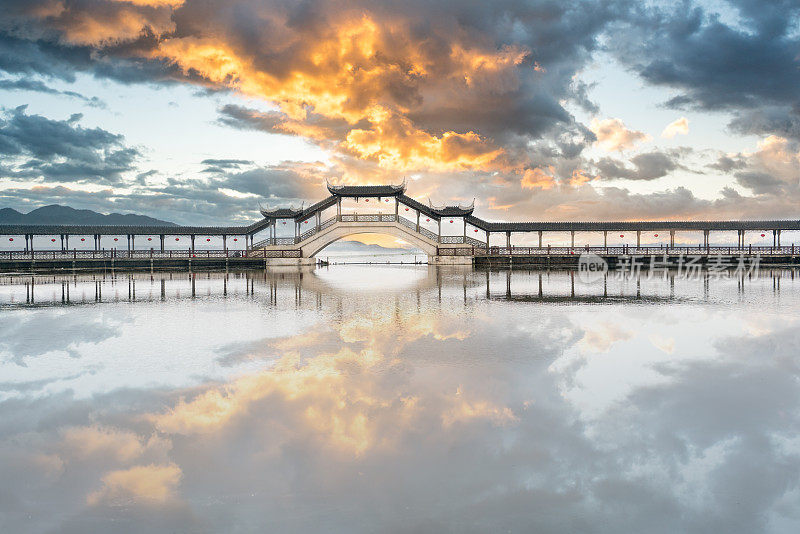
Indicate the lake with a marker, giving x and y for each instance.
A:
(391, 398)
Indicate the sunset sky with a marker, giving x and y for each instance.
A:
(195, 111)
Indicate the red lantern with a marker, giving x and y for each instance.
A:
(149, 239)
(115, 239)
(82, 239)
(622, 235)
(284, 222)
(53, 240)
(11, 239)
(208, 239)
(387, 200)
(235, 239)
(762, 235)
(177, 239)
(427, 220)
(305, 222)
(366, 200)
(451, 221)
(655, 235)
(406, 209)
(476, 229)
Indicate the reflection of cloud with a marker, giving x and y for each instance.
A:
(141, 483)
(663, 343)
(601, 339)
(26, 335)
(415, 414)
(92, 442)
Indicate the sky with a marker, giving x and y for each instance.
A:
(197, 111)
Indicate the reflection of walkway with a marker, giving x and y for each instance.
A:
(299, 288)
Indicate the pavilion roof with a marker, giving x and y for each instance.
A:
(367, 190)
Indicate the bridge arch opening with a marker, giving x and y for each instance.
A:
(417, 244)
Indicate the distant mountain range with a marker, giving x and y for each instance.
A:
(55, 214)
(362, 248)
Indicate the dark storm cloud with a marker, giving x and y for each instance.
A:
(647, 166)
(40, 87)
(717, 65)
(759, 182)
(778, 120)
(226, 163)
(37, 147)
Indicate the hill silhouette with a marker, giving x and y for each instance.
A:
(56, 214)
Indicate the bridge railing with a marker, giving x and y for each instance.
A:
(644, 251)
(455, 251)
(114, 254)
(367, 217)
(427, 233)
(475, 243)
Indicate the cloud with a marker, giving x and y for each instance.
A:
(773, 169)
(647, 166)
(40, 87)
(748, 66)
(386, 83)
(676, 127)
(614, 136)
(38, 148)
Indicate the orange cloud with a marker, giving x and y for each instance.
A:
(613, 135)
(537, 179)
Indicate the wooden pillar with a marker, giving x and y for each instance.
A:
(572, 238)
(774, 238)
(162, 242)
(508, 240)
(339, 208)
(487, 239)
(605, 238)
(439, 223)
(672, 238)
(129, 242)
(396, 207)
(540, 239)
(191, 239)
(779, 238)
(417, 221)
(638, 238)
(62, 242)
(66, 242)
(133, 242)
(224, 243)
(465, 230)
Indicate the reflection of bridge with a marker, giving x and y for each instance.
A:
(447, 234)
(307, 289)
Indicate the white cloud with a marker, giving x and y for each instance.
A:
(676, 127)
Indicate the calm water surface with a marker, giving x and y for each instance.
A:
(399, 399)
